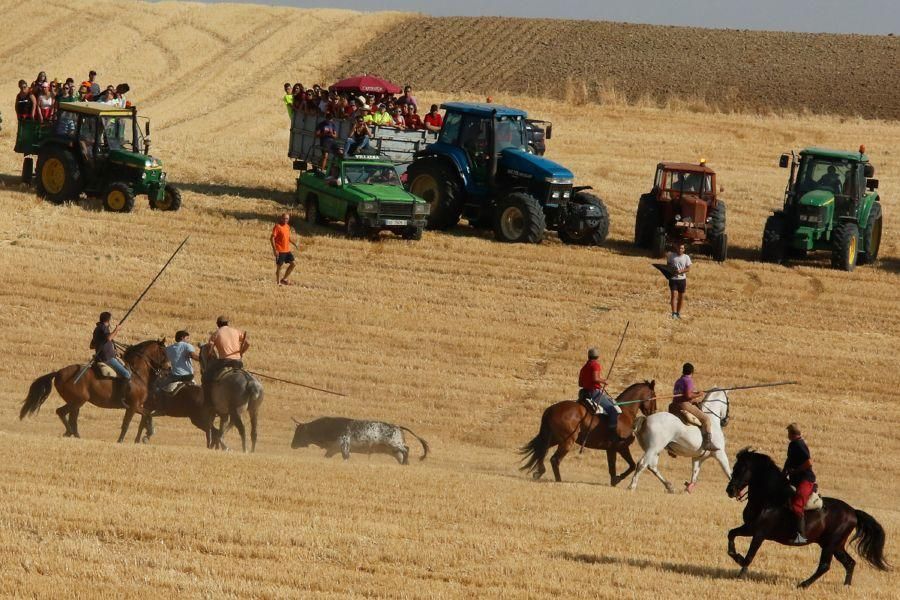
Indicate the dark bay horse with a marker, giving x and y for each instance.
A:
(144, 360)
(767, 517)
(568, 423)
(186, 402)
(230, 395)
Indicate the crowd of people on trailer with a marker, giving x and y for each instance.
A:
(385, 109)
(39, 101)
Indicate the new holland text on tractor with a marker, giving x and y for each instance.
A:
(831, 203)
(94, 149)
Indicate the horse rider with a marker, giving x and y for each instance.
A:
(686, 398)
(229, 345)
(593, 390)
(180, 354)
(102, 343)
(798, 469)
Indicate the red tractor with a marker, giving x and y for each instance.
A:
(682, 208)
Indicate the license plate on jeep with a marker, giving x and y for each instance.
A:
(395, 222)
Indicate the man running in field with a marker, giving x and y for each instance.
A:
(281, 248)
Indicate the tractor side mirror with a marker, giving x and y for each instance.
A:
(872, 184)
(784, 161)
(869, 170)
(548, 133)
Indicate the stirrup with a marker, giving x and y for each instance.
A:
(800, 540)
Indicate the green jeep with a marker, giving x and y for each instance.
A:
(96, 149)
(830, 204)
(365, 193)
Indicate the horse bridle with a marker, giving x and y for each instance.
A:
(722, 420)
(156, 369)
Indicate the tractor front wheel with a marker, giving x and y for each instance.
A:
(58, 176)
(27, 170)
(118, 197)
(430, 179)
(845, 246)
(658, 243)
(594, 236)
(871, 236)
(412, 233)
(775, 239)
(171, 199)
(519, 219)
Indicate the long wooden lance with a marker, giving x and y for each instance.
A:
(133, 306)
(608, 373)
(303, 385)
(719, 389)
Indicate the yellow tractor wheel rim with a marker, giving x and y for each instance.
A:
(115, 200)
(426, 188)
(851, 251)
(53, 175)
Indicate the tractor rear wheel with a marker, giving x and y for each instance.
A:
(719, 246)
(431, 179)
(871, 241)
(587, 237)
(27, 170)
(844, 246)
(775, 239)
(646, 221)
(658, 243)
(58, 176)
(171, 199)
(717, 220)
(519, 219)
(118, 197)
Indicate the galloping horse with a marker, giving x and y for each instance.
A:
(187, 402)
(767, 517)
(144, 360)
(665, 431)
(569, 423)
(230, 394)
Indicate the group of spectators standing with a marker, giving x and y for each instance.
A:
(40, 100)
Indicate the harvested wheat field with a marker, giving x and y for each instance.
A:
(459, 338)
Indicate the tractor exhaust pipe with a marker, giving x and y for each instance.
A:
(492, 164)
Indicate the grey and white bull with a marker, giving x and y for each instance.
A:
(339, 434)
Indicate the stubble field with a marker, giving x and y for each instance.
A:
(461, 339)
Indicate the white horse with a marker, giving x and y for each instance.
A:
(664, 431)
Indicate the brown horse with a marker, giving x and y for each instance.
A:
(144, 360)
(187, 402)
(570, 423)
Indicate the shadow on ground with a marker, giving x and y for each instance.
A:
(223, 189)
(663, 565)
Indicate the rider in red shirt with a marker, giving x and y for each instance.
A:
(593, 390)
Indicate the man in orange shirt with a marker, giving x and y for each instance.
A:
(229, 344)
(281, 248)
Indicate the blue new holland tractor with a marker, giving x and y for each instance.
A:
(482, 168)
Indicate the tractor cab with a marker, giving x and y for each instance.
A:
(687, 194)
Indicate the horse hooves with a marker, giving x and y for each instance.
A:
(145, 439)
(743, 573)
(670, 489)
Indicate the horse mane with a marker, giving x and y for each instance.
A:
(649, 383)
(133, 350)
(759, 458)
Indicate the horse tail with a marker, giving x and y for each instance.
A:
(869, 540)
(535, 451)
(425, 446)
(37, 394)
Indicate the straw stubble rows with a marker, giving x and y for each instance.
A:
(462, 339)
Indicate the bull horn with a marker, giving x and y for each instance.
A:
(294, 419)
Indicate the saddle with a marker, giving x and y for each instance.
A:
(104, 371)
(686, 417)
(815, 500)
(595, 408)
(173, 387)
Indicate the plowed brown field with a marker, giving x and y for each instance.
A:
(577, 60)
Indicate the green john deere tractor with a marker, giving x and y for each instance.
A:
(98, 150)
(831, 203)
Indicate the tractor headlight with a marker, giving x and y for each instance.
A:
(560, 181)
(368, 206)
(148, 163)
(420, 208)
(567, 195)
(555, 195)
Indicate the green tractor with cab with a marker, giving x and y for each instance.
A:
(94, 149)
(831, 204)
(365, 192)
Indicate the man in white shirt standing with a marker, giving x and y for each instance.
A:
(679, 264)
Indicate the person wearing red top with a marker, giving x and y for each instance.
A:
(281, 248)
(433, 120)
(593, 391)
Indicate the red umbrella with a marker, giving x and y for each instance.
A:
(366, 83)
